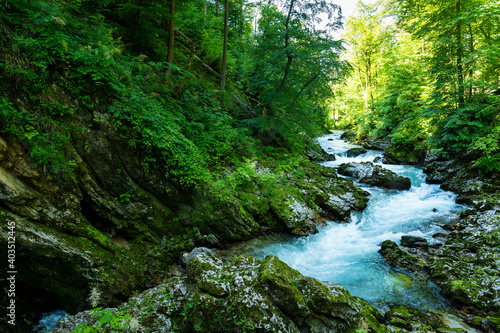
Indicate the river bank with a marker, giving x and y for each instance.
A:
(466, 267)
(397, 318)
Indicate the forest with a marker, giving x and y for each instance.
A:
(134, 131)
(426, 75)
(196, 85)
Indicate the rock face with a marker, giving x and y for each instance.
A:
(119, 226)
(246, 295)
(317, 154)
(375, 175)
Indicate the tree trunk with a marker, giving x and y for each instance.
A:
(304, 88)
(289, 56)
(224, 50)
(242, 19)
(369, 75)
(205, 6)
(171, 33)
(471, 72)
(460, 70)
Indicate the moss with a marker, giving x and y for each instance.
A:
(278, 277)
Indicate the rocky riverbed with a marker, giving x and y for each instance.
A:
(466, 261)
(248, 295)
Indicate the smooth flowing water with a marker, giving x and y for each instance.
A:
(348, 253)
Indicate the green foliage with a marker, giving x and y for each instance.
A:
(475, 129)
(108, 321)
(432, 87)
(291, 76)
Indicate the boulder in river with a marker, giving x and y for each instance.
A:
(414, 242)
(398, 258)
(401, 155)
(377, 144)
(353, 152)
(376, 175)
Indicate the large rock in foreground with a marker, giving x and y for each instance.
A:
(369, 173)
(244, 296)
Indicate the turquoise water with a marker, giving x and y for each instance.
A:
(347, 253)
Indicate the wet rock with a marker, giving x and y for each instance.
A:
(401, 155)
(398, 258)
(412, 242)
(413, 320)
(354, 152)
(317, 154)
(212, 240)
(376, 144)
(375, 175)
(245, 295)
(3, 149)
(348, 136)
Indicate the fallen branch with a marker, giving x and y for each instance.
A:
(186, 38)
(244, 106)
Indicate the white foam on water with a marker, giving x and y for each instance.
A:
(348, 253)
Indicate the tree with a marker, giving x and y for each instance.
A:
(171, 34)
(295, 65)
(224, 48)
(369, 38)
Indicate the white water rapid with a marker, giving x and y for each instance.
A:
(347, 253)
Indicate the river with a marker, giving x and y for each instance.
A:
(347, 253)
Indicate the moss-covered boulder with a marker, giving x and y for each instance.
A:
(354, 152)
(397, 257)
(405, 319)
(414, 242)
(256, 296)
(403, 155)
(376, 175)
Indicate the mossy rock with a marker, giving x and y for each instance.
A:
(354, 152)
(280, 281)
(264, 296)
(402, 155)
(413, 320)
(398, 258)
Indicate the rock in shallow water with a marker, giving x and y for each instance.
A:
(353, 152)
(368, 173)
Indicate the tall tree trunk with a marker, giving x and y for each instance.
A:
(205, 6)
(471, 72)
(460, 70)
(242, 19)
(224, 50)
(289, 55)
(366, 87)
(369, 75)
(171, 32)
